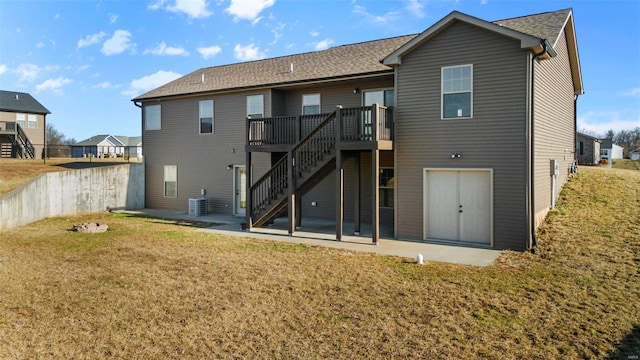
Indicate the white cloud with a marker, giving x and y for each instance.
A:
(29, 72)
(91, 39)
(277, 33)
(416, 8)
(54, 85)
(56, 16)
(209, 51)
(599, 122)
(247, 9)
(83, 68)
(635, 92)
(324, 44)
(378, 19)
(163, 49)
(118, 43)
(483, 2)
(40, 45)
(248, 53)
(113, 18)
(103, 85)
(193, 8)
(314, 33)
(3, 69)
(150, 82)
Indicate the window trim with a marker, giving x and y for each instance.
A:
(319, 105)
(443, 93)
(164, 178)
(262, 115)
(146, 117)
(213, 117)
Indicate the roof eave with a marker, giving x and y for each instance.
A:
(574, 58)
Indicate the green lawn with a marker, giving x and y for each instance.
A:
(151, 288)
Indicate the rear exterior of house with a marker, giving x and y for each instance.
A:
(609, 150)
(22, 125)
(108, 146)
(465, 134)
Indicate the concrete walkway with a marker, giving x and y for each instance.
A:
(319, 232)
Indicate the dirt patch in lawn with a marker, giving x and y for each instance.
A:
(151, 288)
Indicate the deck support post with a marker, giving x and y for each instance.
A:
(298, 212)
(292, 194)
(339, 194)
(375, 197)
(249, 180)
(357, 195)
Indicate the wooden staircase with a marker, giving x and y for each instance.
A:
(308, 162)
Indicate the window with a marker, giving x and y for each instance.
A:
(457, 92)
(33, 121)
(311, 104)
(152, 117)
(206, 117)
(380, 97)
(387, 187)
(255, 106)
(581, 148)
(21, 119)
(171, 181)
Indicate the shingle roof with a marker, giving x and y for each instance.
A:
(544, 26)
(336, 62)
(97, 139)
(15, 101)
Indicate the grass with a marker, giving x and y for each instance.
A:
(15, 172)
(626, 164)
(152, 288)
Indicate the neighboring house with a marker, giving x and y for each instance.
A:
(609, 150)
(22, 125)
(634, 154)
(108, 146)
(461, 134)
(588, 149)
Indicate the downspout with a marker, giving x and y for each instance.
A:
(532, 202)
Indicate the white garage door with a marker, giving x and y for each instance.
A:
(458, 205)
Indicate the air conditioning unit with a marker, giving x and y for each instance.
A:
(198, 206)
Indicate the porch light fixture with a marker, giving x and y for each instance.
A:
(356, 90)
(230, 166)
(456, 155)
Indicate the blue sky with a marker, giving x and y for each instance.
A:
(85, 60)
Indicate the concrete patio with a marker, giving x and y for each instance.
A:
(321, 232)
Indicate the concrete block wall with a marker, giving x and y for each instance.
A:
(74, 192)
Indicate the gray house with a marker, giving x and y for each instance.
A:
(588, 149)
(22, 125)
(108, 146)
(462, 134)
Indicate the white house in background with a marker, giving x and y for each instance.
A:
(634, 154)
(609, 150)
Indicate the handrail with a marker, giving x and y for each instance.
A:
(24, 141)
(319, 141)
(268, 186)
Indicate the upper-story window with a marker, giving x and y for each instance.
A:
(152, 117)
(255, 106)
(310, 104)
(206, 117)
(21, 119)
(457, 92)
(32, 121)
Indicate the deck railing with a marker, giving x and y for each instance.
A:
(356, 124)
(268, 187)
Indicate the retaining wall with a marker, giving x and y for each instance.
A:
(74, 192)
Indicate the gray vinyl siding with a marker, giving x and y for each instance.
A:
(493, 139)
(202, 159)
(554, 123)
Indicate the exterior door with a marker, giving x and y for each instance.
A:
(458, 205)
(240, 190)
